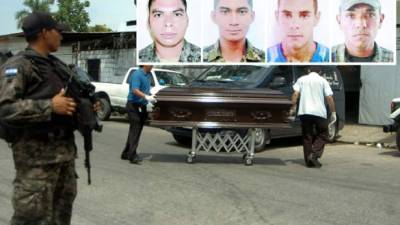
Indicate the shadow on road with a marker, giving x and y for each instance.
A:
(210, 158)
(275, 143)
(394, 153)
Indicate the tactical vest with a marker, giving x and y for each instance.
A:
(47, 78)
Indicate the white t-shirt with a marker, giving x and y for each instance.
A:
(313, 89)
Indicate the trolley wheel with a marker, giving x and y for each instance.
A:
(190, 159)
(248, 161)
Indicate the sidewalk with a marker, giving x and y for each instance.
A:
(367, 135)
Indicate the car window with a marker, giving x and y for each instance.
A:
(82, 75)
(234, 74)
(281, 78)
(283, 74)
(332, 76)
(171, 79)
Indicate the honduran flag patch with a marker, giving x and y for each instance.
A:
(11, 72)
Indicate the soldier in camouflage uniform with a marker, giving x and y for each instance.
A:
(213, 54)
(167, 23)
(233, 18)
(32, 98)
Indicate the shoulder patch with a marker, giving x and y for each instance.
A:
(11, 72)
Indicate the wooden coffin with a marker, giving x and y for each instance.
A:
(220, 108)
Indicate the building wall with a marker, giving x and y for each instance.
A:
(113, 62)
(380, 84)
(17, 44)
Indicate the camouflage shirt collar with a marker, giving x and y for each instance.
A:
(154, 57)
(215, 54)
(342, 54)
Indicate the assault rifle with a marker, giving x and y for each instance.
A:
(82, 91)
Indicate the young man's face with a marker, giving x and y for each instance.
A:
(147, 68)
(52, 39)
(233, 18)
(297, 20)
(168, 22)
(360, 25)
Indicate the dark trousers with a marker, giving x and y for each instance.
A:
(314, 143)
(137, 117)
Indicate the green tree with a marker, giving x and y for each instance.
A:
(73, 13)
(99, 28)
(32, 6)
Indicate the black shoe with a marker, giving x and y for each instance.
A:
(314, 160)
(309, 164)
(135, 159)
(124, 156)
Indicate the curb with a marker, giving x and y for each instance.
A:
(369, 144)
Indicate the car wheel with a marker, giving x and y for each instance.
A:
(183, 140)
(105, 111)
(333, 132)
(261, 139)
(398, 138)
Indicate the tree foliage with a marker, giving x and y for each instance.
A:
(32, 6)
(74, 14)
(99, 28)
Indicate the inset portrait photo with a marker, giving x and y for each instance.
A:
(298, 31)
(168, 31)
(234, 31)
(364, 31)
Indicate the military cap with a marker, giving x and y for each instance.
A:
(36, 21)
(347, 4)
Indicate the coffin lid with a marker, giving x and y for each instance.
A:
(221, 92)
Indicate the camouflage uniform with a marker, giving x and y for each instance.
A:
(340, 54)
(43, 151)
(190, 53)
(213, 53)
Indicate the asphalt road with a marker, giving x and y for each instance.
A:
(357, 185)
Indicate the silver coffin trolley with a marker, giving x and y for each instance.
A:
(223, 141)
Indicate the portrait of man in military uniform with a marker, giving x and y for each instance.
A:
(233, 19)
(167, 23)
(360, 21)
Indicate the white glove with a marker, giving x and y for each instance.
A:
(292, 113)
(149, 107)
(150, 98)
(333, 118)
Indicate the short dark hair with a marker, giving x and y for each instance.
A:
(248, 1)
(33, 37)
(315, 5)
(151, 3)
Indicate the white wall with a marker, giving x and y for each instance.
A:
(380, 84)
(17, 44)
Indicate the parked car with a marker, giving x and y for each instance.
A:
(113, 96)
(395, 116)
(279, 78)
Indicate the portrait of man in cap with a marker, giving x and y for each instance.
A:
(360, 22)
(167, 23)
